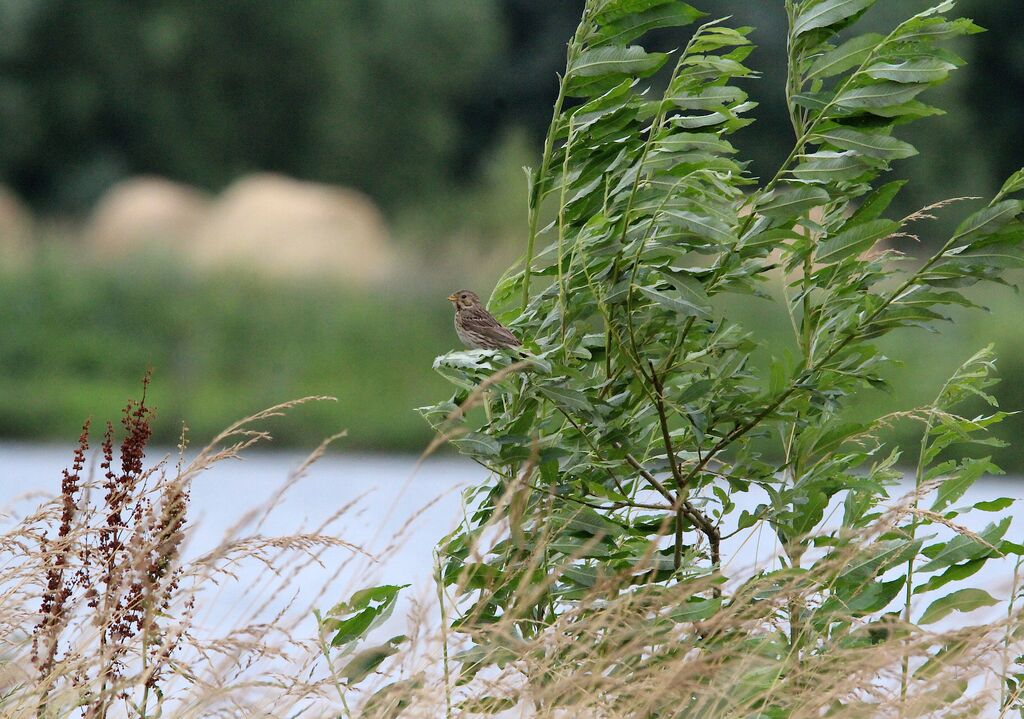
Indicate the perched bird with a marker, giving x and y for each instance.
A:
(476, 327)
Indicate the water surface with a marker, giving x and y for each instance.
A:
(394, 509)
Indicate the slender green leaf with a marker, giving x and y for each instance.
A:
(872, 144)
(793, 202)
(1014, 183)
(366, 609)
(954, 487)
(964, 600)
(717, 37)
(828, 13)
(989, 220)
(854, 240)
(935, 28)
(584, 520)
(879, 95)
(615, 10)
(701, 225)
(994, 505)
(924, 69)
(876, 203)
(871, 598)
(876, 558)
(632, 60)
(366, 661)
(963, 548)
(709, 98)
(354, 627)
(850, 54)
(478, 444)
(689, 288)
(986, 260)
(696, 610)
(631, 26)
(828, 167)
(695, 391)
(676, 304)
(391, 700)
(687, 142)
(568, 399)
(384, 593)
(955, 573)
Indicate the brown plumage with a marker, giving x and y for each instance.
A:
(476, 327)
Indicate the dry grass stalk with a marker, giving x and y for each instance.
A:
(124, 636)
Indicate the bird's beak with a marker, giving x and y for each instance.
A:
(453, 297)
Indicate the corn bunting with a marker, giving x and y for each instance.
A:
(476, 327)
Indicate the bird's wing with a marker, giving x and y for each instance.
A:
(479, 321)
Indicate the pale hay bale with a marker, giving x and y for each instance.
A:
(146, 212)
(287, 227)
(16, 227)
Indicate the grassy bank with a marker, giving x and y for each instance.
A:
(78, 335)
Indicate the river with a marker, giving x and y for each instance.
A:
(396, 512)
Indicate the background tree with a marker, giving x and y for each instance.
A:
(324, 90)
(203, 92)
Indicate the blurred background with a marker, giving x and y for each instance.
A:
(264, 200)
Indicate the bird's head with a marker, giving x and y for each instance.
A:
(464, 299)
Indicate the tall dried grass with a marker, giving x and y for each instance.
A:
(102, 614)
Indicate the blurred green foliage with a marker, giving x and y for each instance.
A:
(78, 336)
(924, 360)
(402, 99)
(364, 93)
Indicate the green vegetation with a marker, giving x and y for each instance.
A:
(391, 96)
(78, 334)
(660, 391)
(203, 92)
(921, 360)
